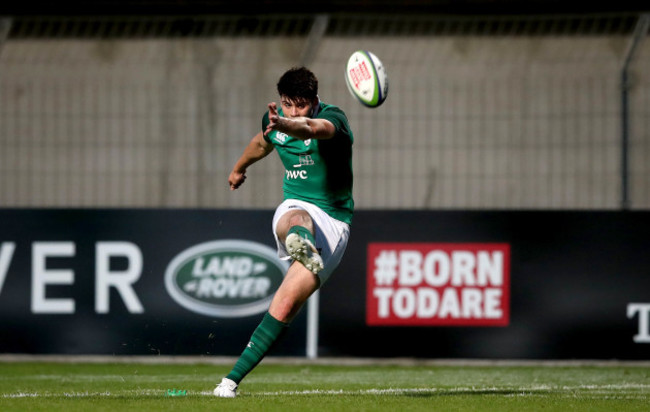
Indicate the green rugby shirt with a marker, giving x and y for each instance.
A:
(318, 171)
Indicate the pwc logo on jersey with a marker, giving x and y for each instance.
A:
(446, 284)
(296, 174)
(225, 278)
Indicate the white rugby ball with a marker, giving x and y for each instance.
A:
(366, 78)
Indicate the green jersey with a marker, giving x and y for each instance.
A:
(318, 171)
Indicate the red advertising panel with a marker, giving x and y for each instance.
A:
(445, 284)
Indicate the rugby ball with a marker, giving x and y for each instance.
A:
(366, 78)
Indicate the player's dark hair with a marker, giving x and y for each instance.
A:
(298, 82)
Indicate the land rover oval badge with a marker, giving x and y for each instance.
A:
(225, 278)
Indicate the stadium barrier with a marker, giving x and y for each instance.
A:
(443, 284)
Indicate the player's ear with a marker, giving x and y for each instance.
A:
(314, 106)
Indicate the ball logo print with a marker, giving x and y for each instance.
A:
(366, 78)
(446, 284)
(225, 278)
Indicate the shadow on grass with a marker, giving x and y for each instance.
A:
(477, 392)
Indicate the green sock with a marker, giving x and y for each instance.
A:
(302, 232)
(266, 334)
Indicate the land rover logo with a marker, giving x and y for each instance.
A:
(225, 278)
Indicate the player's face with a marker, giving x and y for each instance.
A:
(296, 107)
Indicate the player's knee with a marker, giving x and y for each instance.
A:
(301, 218)
(285, 309)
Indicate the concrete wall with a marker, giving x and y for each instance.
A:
(470, 122)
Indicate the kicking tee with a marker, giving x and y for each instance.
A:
(318, 171)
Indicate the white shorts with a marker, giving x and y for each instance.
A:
(331, 235)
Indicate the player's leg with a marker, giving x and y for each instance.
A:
(291, 218)
(295, 229)
(297, 286)
(299, 283)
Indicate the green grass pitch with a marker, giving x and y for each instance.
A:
(317, 386)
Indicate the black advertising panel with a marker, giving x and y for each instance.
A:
(440, 284)
(554, 285)
(137, 281)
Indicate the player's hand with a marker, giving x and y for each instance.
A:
(274, 118)
(236, 179)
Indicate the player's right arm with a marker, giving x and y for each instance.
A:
(257, 149)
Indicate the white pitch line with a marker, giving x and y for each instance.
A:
(404, 391)
(521, 391)
(82, 394)
(390, 391)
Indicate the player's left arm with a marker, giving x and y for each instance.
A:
(302, 128)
